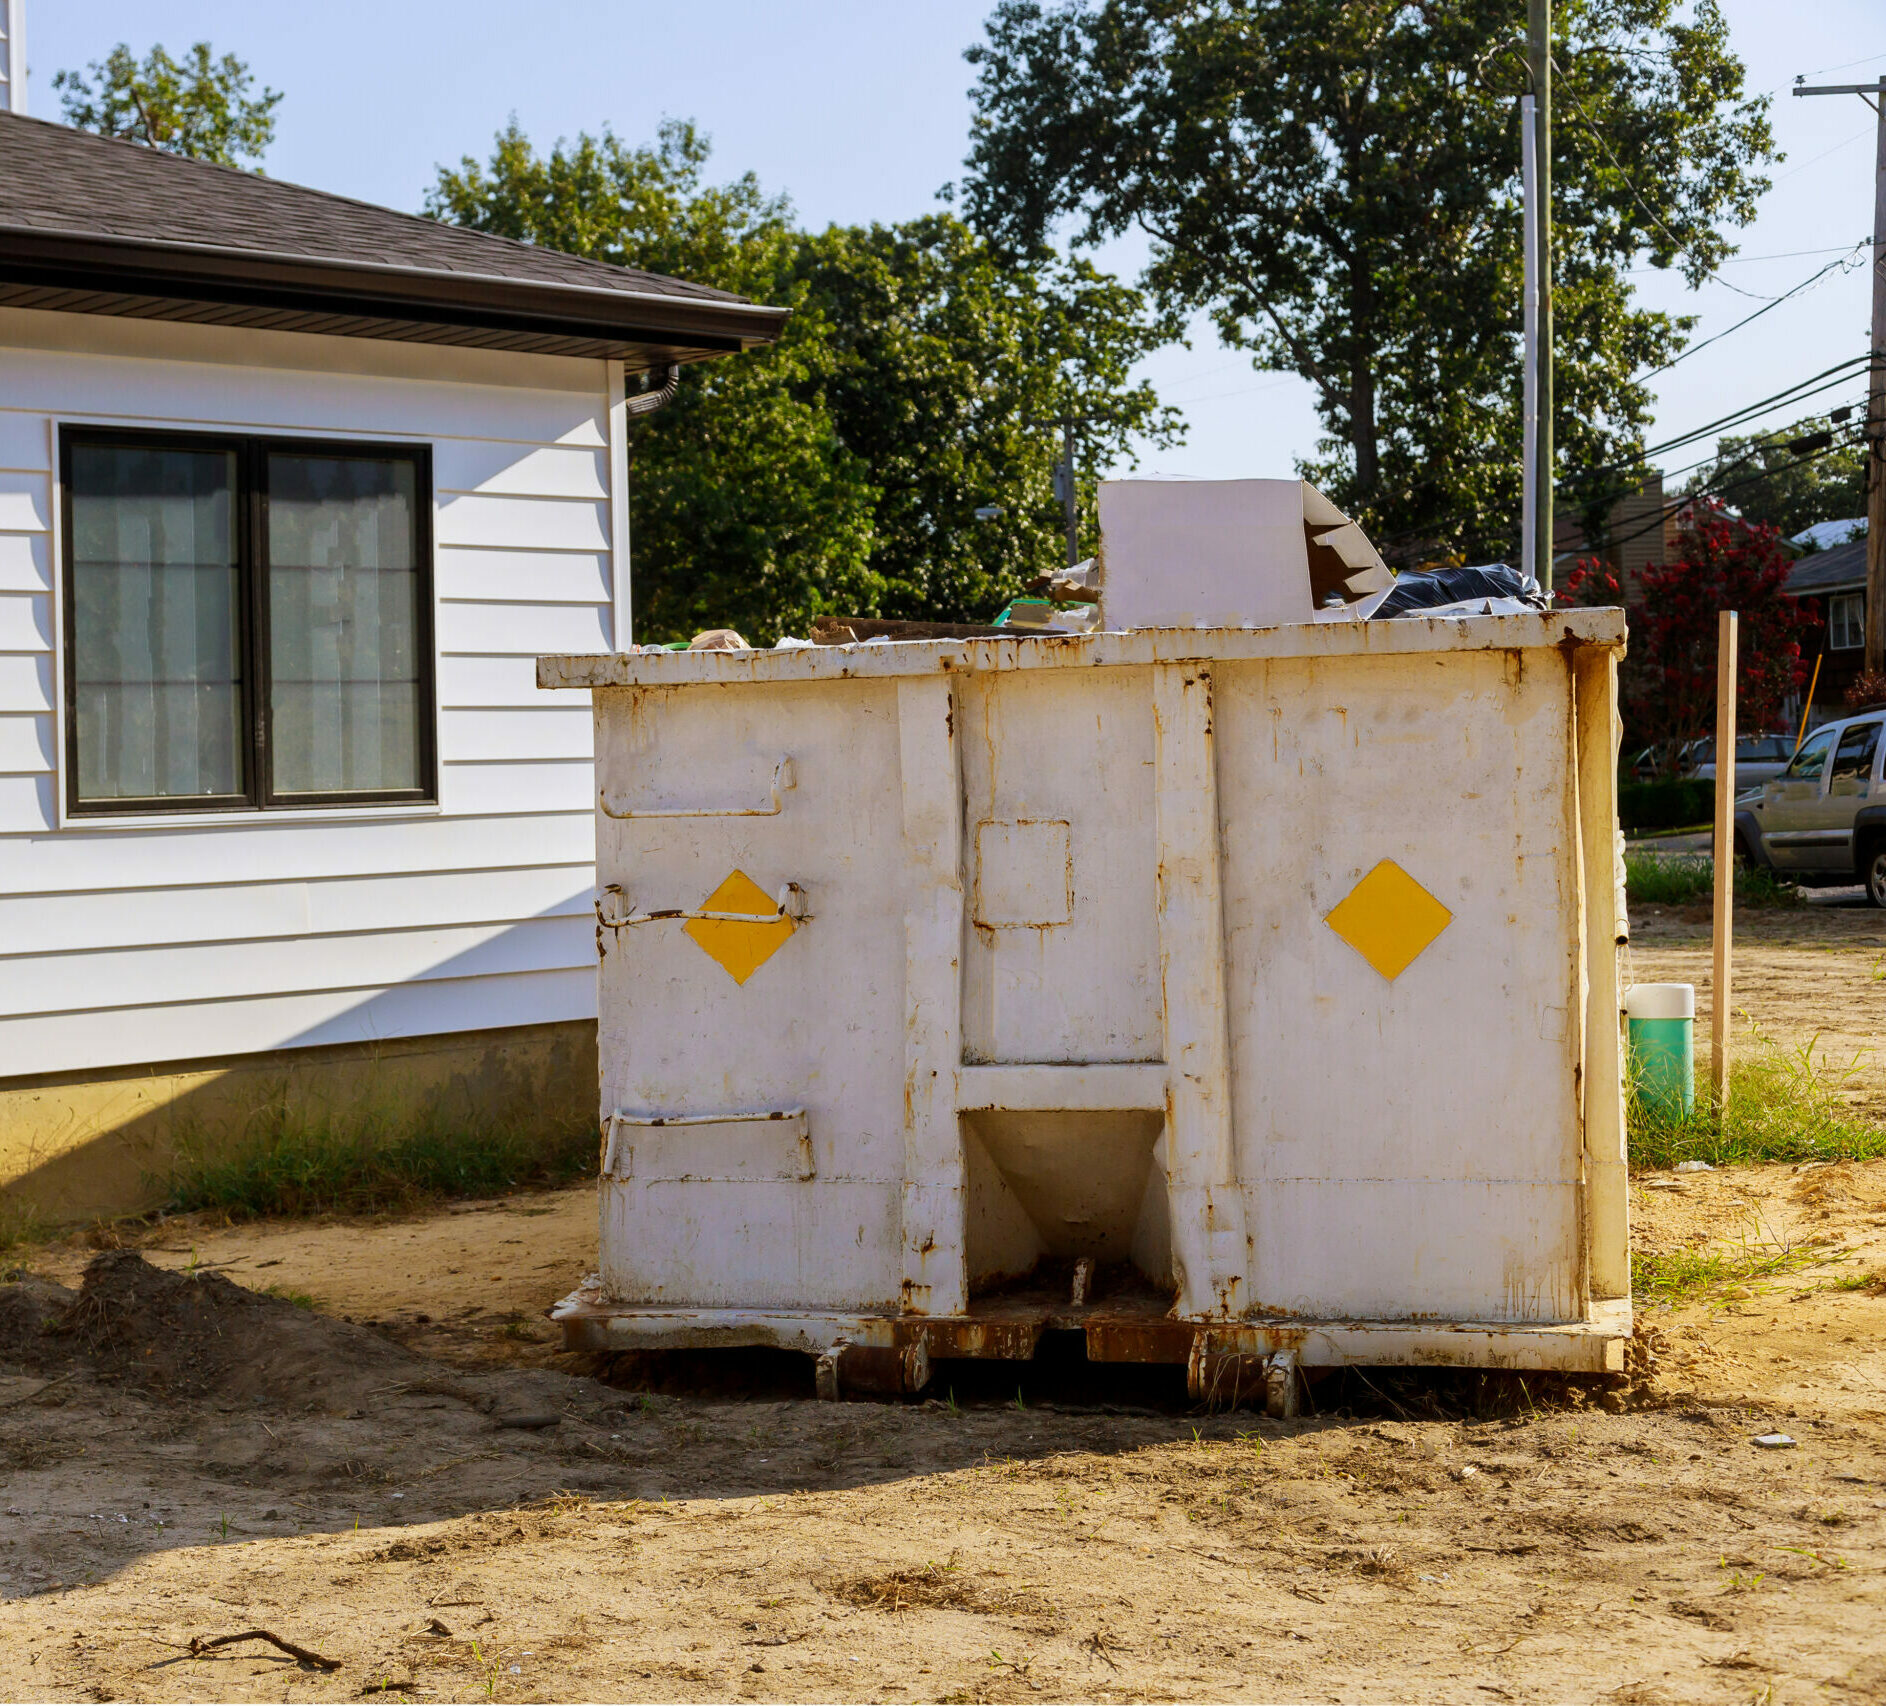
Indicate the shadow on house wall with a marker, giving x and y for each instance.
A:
(97, 1142)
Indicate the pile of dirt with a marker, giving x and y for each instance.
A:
(31, 1309)
(190, 1335)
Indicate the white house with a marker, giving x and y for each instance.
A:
(293, 491)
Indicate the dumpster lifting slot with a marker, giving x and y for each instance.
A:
(629, 1131)
(784, 777)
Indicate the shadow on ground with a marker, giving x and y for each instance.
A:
(152, 1409)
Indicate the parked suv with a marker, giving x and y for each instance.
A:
(1823, 819)
(1757, 759)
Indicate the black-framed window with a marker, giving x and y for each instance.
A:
(248, 622)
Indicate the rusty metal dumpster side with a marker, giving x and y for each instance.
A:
(1269, 975)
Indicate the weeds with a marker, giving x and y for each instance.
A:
(21, 1223)
(940, 1586)
(1681, 1276)
(489, 1666)
(300, 1299)
(1784, 1105)
(1688, 879)
(296, 1165)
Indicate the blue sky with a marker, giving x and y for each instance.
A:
(860, 111)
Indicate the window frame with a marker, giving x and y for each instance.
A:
(1855, 624)
(1830, 739)
(252, 452)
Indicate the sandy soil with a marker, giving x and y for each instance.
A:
(454, 1510)
(1813, 974)
(390, 1464)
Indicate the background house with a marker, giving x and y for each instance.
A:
(1639, 530)
(293, 490)
(1836, 579)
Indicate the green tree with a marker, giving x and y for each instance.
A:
(1336, 183)
(838, 472)
(948, 374)
(749, 511)
(1790, 478)
(201, 108)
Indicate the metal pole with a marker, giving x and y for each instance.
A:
(1539, 53)
(1070, 498)
(1876, 417)
(1876, 386)
(13, 57)
(1725, 855)
(1529, 404)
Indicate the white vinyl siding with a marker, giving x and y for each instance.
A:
(172, 940)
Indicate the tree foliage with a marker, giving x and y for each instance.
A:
(948, 374)
(1336, 183)
(919, 379)
(1790, 478)
(201, 108)
(1721, 563)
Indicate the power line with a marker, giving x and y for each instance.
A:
(1743, 260)
(1854, 435)
(1808, 387)
(1849, 259)
(1870, 58)
(1392, 540)
(1822, 155)
(1859, 403)
(1631, 183)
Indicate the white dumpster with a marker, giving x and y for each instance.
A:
(1234, 997)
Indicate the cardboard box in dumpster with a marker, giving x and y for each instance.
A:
(1231, 554)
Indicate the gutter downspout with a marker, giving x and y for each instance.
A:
(624, 408)
(657, 396)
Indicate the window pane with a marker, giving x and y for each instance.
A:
(1812, 758)
(1854, 760)
(155, 648)
(343, 600)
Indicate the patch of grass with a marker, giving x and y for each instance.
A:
(295, 1165)
(300, 1299)
(21, 1223)
(1682, 1276)
(1783, 1106)
(1689, 879)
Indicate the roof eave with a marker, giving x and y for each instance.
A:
(30, 254)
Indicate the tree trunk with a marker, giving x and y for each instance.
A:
(1362, 377)
(1362, 426)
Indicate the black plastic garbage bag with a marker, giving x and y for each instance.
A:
(1427, 592)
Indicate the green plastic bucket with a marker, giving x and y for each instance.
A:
(1663, 1046)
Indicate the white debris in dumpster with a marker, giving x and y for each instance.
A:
(1232, 554)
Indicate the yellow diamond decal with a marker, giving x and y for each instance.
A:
(740, 948)
(1389, 919)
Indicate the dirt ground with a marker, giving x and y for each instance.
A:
(362, 1437)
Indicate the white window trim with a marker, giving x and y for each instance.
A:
(64, 818)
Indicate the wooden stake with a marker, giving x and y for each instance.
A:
(1725, 853)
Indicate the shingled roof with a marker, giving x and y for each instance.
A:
(91, 224)
(1840, 568)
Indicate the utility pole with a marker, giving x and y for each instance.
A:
(1539, 60)
(1876, 386)
(1529, 380)
(1067, 492)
